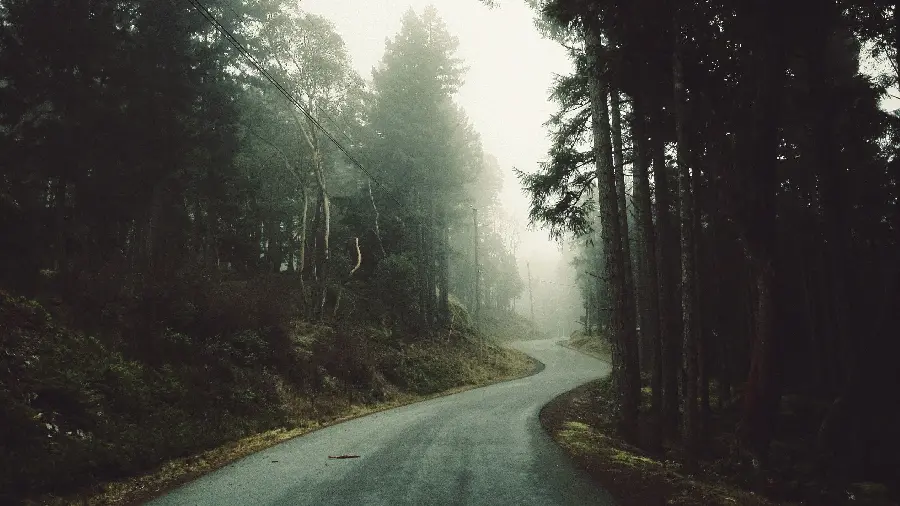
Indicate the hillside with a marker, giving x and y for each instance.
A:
(505, 326)
(83, 410)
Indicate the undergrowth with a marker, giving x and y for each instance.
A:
(584, 423)
(79, 408)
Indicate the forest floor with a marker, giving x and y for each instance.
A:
(582, 422)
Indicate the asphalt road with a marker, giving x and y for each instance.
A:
(483, 446)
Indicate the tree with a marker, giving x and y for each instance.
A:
(785, 169)
(688, 272)
(612, 234)
(422, 144)
(312, 58)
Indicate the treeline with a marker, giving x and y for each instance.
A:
(188, 257)
(735, 186)
(141, 147)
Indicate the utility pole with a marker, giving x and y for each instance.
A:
(477, 277)
(530, 297)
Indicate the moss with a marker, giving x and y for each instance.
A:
(634, 461)
(577, 426)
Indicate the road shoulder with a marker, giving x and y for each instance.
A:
(579, 422)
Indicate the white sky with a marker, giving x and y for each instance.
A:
(511, 68)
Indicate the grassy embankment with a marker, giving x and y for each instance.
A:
(581, 422)
(117, 419)
(505, 326)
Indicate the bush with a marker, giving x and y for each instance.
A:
(460, 318)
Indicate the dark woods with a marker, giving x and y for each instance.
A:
(757, 248)
(187, 258)
(140, 147)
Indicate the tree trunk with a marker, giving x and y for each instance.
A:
(896, 20)
(588, 304)
(618, 161)
(699, 307)
(326, 250)
(717, 345)
(59, 207)
(301, 253)
(376, 218)
(444, 274)
(669, 320)
(150, 237)
(476, 270)
(835, 206)
(628, 376)
(314, 253)
(762, 394)
(690, 426)
(649, 273)
(431, 262)
(896, 167)
(766, 75)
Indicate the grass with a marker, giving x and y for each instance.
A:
(594, 345)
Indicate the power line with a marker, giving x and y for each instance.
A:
(206, 13)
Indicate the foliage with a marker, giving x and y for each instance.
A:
(771, 218)
(209, 169)
(199, 260)
(78, 411)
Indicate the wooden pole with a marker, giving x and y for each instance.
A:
(477, 280)
(530, 298)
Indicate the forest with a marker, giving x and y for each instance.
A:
(731, 178)
(211, 226)
(214, 229)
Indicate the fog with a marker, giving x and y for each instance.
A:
(510, 70)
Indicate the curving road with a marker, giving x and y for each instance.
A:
(483, 446)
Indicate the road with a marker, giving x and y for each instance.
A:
(483, 446)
